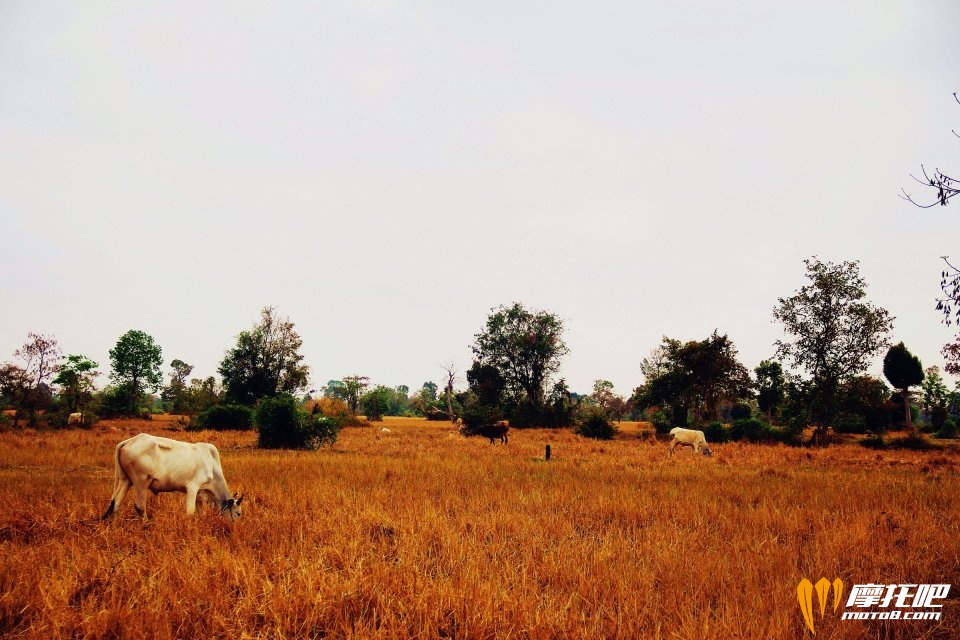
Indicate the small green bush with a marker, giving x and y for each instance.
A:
(223, 417)
(281, 424)
(660, 422)
(916, 442)
(596, 426)
(716, 432)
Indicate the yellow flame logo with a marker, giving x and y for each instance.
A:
(805, 595)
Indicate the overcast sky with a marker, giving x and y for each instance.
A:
(385, 173)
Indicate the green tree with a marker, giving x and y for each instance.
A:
(136, 361)
(177, 394)
(75, 378)
(936, 396)
(376, 403)
(526, 347)
(832, 334)
(770, 386)
(903, 370)
(701, 374)
(265, 362)
(25, 385)
(353, 388)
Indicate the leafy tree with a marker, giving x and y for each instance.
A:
(429, 388)
(136, 361)
(177, 393)
(75, 377)
(700, 375)
(265, 362)
(335, 389)
(832, 334)
(486, 383)
(936, 396)
(903, 370)
(353, 387)
(26, 384)
(526, 347)
(864, 405)
(770, 386)
(376, 403)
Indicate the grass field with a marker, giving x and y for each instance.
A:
(423, 533)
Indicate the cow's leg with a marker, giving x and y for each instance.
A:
(192, 490)
(696, 448)
(673, 443)
(119, 493)
(140, 500)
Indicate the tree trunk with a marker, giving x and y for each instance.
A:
(908, 416)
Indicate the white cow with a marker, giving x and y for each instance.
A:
(157, 464)
(74, 418)
(689, 438)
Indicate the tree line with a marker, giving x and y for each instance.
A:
(815, 377)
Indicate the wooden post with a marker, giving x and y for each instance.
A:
(548, 452)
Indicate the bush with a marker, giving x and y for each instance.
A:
(948, 430)
(851, 423)
(716, 432)
(282, 425)
(873, 442)
(747, 429)
(661, 422)
(476, 415)
(375, 403)
(222, 417)
(913, 442)
(741, 411)
(596, 426)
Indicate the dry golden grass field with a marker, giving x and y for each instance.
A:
(421, 533)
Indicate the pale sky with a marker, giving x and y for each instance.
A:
(385, 173)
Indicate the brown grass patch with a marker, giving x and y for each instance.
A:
(423, 533)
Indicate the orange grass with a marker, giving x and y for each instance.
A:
(423, 533)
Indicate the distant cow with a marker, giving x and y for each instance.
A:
(494, 431)
(689, 438)
(160, 465)
(74, 418)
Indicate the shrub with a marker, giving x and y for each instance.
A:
(476, 415)
(873, 442)
(916, 442)
(221, 417)
(747, 429)
(716, 432)
(850, 423)
(741, 411)
(595, 425)
(661, 422)
(948, 430)
(375, 403)
(282, 425)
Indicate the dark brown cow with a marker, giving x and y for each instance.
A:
(494, 431)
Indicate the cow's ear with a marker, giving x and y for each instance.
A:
(239, 500)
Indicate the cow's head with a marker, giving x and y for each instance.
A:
(231, 507)
(707, 452)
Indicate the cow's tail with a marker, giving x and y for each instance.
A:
(120, 480)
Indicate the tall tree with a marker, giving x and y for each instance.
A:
(136, 361)
(701, 374)
(526, 347)
(771, 386)
(265, 362)
(25, 384)
(903, 370)
(75, 378)
(353, 388)
(832, 333)
(177, 393)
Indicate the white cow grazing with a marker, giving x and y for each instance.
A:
(74, 418)
(689, 438)
(157, 464)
